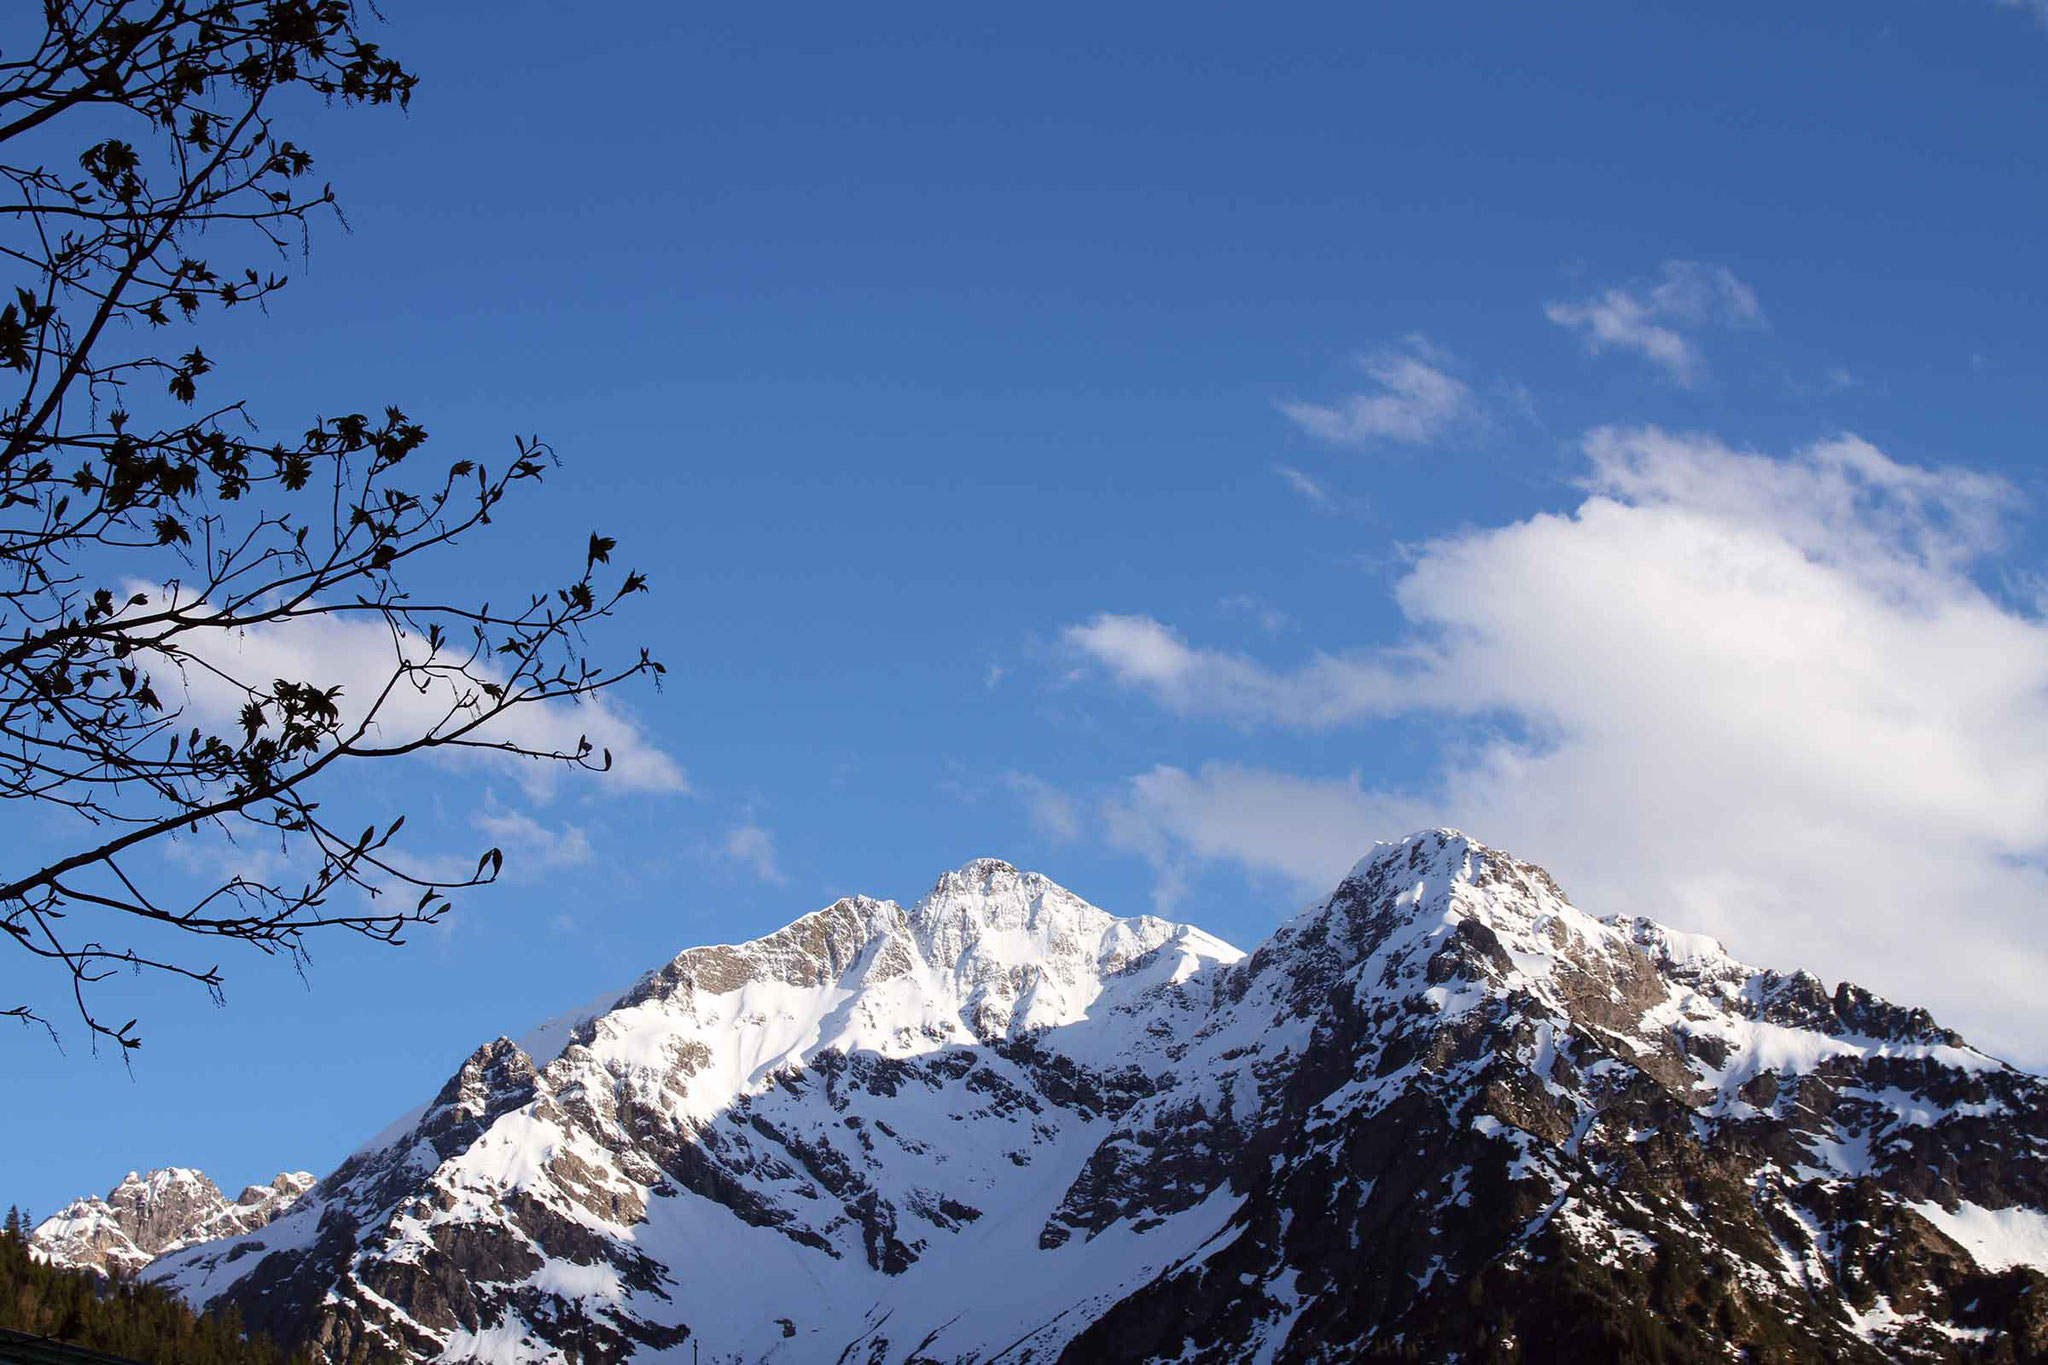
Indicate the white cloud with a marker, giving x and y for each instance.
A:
(530, 847)
(1306, 486)
(1757, 697)
(358, 654)
(752, 847)
(1053, 813)
(1142, 653)
(1414, 400)
(1651, 320)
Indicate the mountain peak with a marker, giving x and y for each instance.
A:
(991, 894)
(1434, 878)
(981, 869)
(1451, 855)
(161, 1181)
(151, 1213)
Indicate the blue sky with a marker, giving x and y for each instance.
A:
(1171, 449)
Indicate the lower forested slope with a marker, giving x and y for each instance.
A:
(119, 1315)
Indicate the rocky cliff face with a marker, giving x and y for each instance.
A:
(1442, 1114)
(146, 1216)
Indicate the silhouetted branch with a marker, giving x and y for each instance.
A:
(140, 535)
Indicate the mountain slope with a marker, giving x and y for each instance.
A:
(1510, 1131)
(1441, 1112)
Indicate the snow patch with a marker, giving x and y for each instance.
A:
(1997, 1239)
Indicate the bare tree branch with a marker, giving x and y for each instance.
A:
(113, 475)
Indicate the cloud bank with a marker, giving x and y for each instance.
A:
(1759, 697)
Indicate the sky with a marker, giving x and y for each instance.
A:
(1171, 449)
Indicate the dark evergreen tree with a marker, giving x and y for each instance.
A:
(119, 1316)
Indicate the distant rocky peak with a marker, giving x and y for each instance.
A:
(150, 1213)
(138, 1190)
(154, 1209)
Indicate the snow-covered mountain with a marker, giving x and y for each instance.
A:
(1441, 1114)
(147, 1215)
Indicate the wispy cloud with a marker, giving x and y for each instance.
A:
(530, 847)
(1052, 812)
(1252, 607)
(752, 847)
(1652, 320)
(1150, 656)
(1306, 486)
(1413, 400)
(532, 850)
